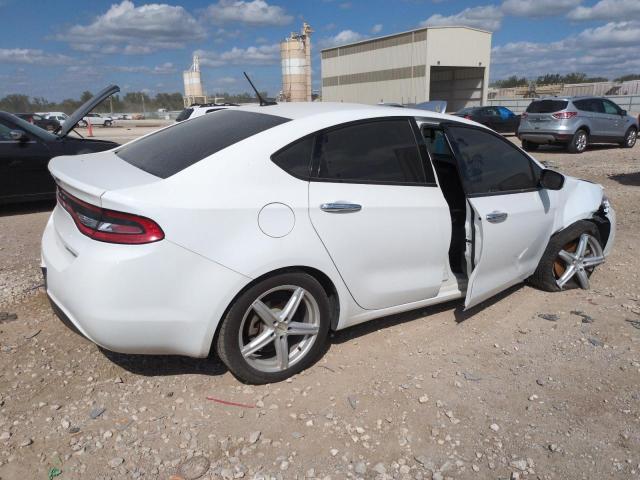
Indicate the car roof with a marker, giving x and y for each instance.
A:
(347, 111)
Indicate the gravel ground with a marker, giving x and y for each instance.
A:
(530, 385)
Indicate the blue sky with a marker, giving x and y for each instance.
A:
(57, 49)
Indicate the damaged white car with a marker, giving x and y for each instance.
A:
(253, 232)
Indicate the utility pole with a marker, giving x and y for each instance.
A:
(111, 104)
(144, 111)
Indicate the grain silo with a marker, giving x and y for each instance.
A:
(193, 91)
(295, 52)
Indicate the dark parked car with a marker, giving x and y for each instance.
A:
(25, 151)
(49, 124)
(500, 119)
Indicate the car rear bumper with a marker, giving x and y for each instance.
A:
(545, 137)
(157, 298)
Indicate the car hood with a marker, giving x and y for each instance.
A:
(71, 122)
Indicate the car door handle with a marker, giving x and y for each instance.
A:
(340, 207)
(497, 217)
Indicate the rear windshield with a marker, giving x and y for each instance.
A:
(184, 114)
(173, 149)
(547, 106)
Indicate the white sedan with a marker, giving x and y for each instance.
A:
(254, 232)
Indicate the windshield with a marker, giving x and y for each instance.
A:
(184, 114)
(547, 106)
(175, 148)
(34, 130)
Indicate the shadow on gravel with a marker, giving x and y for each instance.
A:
(27, 207)
(632, 179)
(164, 365)
(562, 150)
(456, 306)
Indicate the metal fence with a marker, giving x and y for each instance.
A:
(630, 103)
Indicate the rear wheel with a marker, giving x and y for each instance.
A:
(107, 123)
(275, 329)
(570, 259)
(529, 146)
(579, 142)
(629, 138)
(82, 123)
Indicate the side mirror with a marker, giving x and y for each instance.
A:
(18, 135)
(623, 113)
(551, 180)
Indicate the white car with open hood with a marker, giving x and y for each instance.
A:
(255, 231)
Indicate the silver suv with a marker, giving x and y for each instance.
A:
(576, 122)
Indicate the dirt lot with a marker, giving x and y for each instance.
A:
(531, 385)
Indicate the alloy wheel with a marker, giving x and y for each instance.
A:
(279, 328)
(631, 138)
(577, 260)
(581, 141)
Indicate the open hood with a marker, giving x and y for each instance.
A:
(71, 122)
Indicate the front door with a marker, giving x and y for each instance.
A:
(375, 205)
(512, 217)
(615, 120)
(23, 164)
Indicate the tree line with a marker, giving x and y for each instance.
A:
(555, 78)
(129, 102)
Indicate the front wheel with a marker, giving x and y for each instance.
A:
(275, 329)
(82, 123)
(629, 138)
(578, 143)
(107, 123)
(570, 258)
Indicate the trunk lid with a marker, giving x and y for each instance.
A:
(89, 176)
(71, 122)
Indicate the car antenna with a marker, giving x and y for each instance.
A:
(263, 102)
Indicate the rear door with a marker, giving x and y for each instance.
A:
(512, 218)
(376, 207)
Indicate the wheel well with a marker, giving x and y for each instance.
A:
(321, 277)
(585, 128)
(603, 225)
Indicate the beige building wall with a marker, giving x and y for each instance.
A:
(397, 68)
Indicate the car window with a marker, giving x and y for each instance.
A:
(4, 131)
(610, 107)
(383, 151)
(491, 112)
(547, 106)
(505, 112)
(168, 151)
(295, 159)
(489, 164)
(184, 114)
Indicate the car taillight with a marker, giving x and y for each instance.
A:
(468, 117)
(524, 115)
(564, 115)
(108, 225)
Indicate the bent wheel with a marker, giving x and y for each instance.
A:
(577, 260)
(275, 329)
(569, 259)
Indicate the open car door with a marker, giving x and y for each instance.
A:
(511, 218)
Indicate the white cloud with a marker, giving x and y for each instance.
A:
(261, 55)
(608, 10)
(538, 8)
(488, 17)
(377, 28)
(609, 50)
(255, 12)
(125, 28)
(341, 38)
(32, 56)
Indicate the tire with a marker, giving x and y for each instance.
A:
(528, 146)
(579, 142)
(552, 267)
(82, 124)
(107, 123)
(629, 138)
(242, 325)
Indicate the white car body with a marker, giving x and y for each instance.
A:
(200, 110)
(97, 119)
(236, 216)
(61, 117)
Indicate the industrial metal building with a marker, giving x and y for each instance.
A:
(432, 63)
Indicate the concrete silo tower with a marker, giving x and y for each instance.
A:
(193, 91)
(295, 52)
